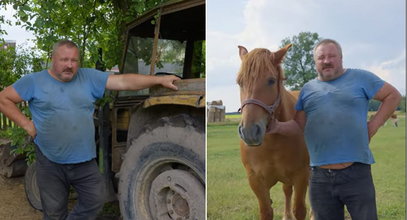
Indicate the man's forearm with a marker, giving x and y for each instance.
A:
(11, 111)
(386, 109)
(288, 128)
(139, 81)
(8, 100)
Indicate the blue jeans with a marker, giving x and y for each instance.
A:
(332, 190)
(54, 181)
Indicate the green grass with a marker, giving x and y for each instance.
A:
(230, 197)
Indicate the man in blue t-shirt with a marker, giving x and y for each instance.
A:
(332, 114)
(61, 100)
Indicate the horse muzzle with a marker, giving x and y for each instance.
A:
(252, 134)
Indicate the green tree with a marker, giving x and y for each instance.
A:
(92, 24)
(299, 66)
(402, 106)
(16, 62)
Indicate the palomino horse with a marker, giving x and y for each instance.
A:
(270, 158)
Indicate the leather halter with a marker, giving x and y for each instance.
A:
(269, 108)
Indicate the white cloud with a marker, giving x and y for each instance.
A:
(268, 22)
(392, 71)
(221, 50)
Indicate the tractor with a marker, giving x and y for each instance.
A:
(151, 143)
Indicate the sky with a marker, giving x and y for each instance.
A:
(371, 33)
(20, 35)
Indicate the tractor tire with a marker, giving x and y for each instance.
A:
(32, 191)
(163, 173)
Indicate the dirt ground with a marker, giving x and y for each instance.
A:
(14, 205)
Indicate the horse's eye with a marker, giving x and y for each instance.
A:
(271, 82)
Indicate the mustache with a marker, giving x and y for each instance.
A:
(68, 70)
(327, 66)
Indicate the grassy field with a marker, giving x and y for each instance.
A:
(230, 197)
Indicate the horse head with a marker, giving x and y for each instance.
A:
(260, 80)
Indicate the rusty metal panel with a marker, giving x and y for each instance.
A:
(189, 100)
(186, 86)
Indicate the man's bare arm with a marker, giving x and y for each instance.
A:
(390, 98)
(291, 127)
(139, 81)
(8, 100)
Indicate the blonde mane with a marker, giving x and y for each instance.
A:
(256, 63)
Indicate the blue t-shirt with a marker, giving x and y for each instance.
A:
(62, 113)
(336, 126)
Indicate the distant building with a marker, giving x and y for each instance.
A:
(8, 44)
(216, 111)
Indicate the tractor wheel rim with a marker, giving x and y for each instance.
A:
(177, 194)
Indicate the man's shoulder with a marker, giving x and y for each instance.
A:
(310, 83)
(359, 72)
(90, 72)
(34, 75)
(308, 87)
(38, 74)
(362, 76)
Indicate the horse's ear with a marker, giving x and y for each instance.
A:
(242, 51)
(279, 55)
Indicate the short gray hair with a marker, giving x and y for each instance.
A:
(329, 41)
(68, 43)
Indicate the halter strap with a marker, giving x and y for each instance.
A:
(269, 108)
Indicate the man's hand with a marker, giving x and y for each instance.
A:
(30, 129)
(168, 81)
(287, 128)
(273, 127)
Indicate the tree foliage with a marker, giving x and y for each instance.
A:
(402, 105)
(92, 24)
(299, 66)
(20, 142)
(16, 62)
(2, 22)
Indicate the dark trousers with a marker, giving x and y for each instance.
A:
(54, 181)
(332, 190)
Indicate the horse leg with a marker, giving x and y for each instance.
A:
(300, 191)
(263, 196)
(288, 191)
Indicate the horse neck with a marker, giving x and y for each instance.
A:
(285, 110)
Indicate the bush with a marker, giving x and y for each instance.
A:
(21, 142)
